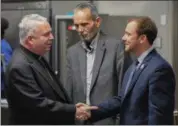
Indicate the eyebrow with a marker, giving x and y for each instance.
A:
(45, 33)
(127, 32)
(83, 23)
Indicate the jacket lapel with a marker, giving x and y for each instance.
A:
(33, 62)
(57, 84)
(125, 79)
(82, 66)
(139, 71)
(49, 80)
(37, 66)
(41, 70)
(135, 77)
(100, 52)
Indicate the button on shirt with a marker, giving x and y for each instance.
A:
(90, 53)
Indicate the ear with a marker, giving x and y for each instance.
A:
(29, 41)
(98, 21)
(142, 38)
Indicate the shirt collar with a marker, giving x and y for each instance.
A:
(144, 54)
(93, 44)
(30, 53)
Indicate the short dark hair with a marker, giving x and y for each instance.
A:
(147, 27)
(4, 26)
(90, 6)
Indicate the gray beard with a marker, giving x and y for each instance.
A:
(89, 39)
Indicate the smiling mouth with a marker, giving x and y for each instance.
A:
(49, 44)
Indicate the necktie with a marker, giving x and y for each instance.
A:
(134, 67)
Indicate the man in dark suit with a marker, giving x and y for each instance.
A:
(148, 93)
(96, 63)
(33, 92)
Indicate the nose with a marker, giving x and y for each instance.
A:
(80, 29)
(124, 38)
(51, 36)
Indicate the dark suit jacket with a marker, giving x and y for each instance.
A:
(150, 97)
(34, 96)
(109, 66)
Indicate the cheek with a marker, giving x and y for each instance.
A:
(131, 40)
(133, 43)
(43, 40)
(129, 43)
(87, 29)
(39, 44)
(91, 28)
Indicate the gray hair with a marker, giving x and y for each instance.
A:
(28, 24)
(90, 6)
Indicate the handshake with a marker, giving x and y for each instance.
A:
(83, 111)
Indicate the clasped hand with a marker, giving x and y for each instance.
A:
(83, 111)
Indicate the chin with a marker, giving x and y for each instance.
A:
(86, 40)
(127, 49)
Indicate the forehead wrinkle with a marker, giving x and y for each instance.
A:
(83, 14)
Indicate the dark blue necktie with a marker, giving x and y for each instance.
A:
(134, 67)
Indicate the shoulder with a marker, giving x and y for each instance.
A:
(18, 60)
(160, 70)
(5, 42)
(158, 60)
(112, 43)
(158, 63)
(74, 48)
(110, 39)
(5, 45)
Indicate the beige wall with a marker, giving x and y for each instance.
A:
(175, 45)
(153, 9)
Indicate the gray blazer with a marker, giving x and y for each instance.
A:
(109, 65)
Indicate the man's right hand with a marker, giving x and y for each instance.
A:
(83, 111)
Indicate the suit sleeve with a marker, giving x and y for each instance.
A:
(161, 97)
(31, 96)
(69, 83)
(106, 109)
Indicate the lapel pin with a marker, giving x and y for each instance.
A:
(142, 66)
